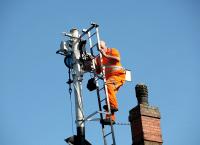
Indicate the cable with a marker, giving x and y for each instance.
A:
(122, 123)
(70, 95)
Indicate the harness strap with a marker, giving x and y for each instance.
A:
(113, 66)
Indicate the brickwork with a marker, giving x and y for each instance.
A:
(152, 143)
(151, 129)
(145, 125)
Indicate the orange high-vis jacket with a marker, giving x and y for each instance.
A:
(112, 66)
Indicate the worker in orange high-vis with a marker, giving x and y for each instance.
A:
(115, 77)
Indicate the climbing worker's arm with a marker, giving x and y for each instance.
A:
(116, 57)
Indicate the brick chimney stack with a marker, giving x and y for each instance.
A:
(145, 120)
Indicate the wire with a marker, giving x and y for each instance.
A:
(70, 96)
(122, 123)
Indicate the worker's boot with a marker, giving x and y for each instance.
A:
(112, 109)
(110, 119)
(107, 122)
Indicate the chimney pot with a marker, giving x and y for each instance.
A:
(141, 94)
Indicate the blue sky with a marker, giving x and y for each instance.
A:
(158, 40)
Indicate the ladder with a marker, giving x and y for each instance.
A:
(94, 29)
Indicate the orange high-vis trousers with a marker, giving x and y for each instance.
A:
(113, 83)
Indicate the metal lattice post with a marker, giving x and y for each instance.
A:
(77, 80)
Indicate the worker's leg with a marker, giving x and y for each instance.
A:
(119, 81)
(112, 116)
(107, 120)
(113, 85)
(112, 94)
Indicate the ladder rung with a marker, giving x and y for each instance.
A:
(107, 134)
(92, 35)
(101, 77)
(101, 88)
(89, 29)
(93, 46)
(103, 100)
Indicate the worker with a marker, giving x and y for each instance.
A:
(114, 75)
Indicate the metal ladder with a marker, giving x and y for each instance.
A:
(105, 132)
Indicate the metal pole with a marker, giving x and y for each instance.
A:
(77, 80)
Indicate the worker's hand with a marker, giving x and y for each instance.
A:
(103, 48)
(102, 52)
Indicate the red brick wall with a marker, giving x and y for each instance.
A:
(145, 125)
(151, 128)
